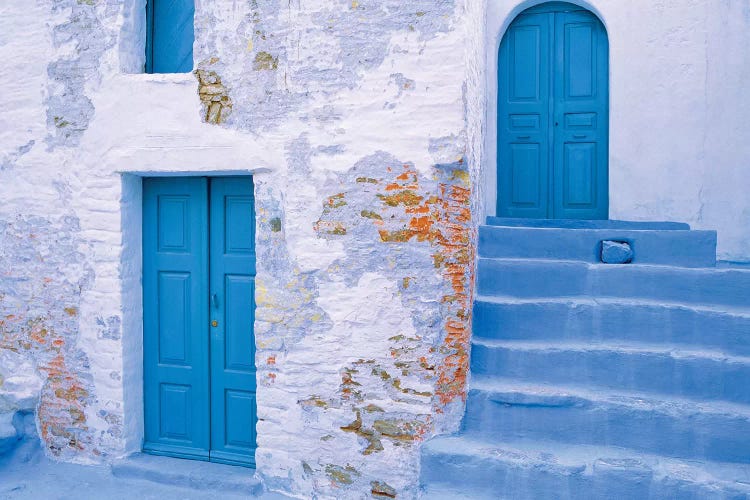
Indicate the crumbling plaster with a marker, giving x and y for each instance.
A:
(359, 122)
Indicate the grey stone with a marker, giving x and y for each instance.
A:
(616, 252)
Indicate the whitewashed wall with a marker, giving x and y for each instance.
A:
(679, 107)
(361, 124)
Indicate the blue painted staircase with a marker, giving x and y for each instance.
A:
(601, 381)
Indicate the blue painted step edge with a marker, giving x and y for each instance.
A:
(546, 278)
(658, 368)
(670, 248)
(509, 409)
(586, 224)
(534, 471)
(598, 320)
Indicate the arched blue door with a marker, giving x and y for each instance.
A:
(553, 115)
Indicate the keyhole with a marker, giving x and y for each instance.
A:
(214, 323)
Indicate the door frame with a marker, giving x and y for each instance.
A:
(131, 293)
(500, 15)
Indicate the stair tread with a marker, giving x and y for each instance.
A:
(576, 300)
(445, 492)
(584, 224)
(192, 473)
(568, 395)
(739, 270)
(568, 458)
(635, 348)
(532, 278)
(675, 248)
(639, 230)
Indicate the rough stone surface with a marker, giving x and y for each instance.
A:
(616, 252)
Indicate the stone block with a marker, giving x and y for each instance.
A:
(616, 252)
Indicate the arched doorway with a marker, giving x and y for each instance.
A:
(553, 115)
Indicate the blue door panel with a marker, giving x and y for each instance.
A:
(240, 435)
(176, 417)
(579, 181)
(169, 44)
(553, 115)
(199, 313)
(581, 100)
(239, 350)
(527, 181)
(173, 297)
(523, 128)
(232, 285)
(175, 313)
(579, 46)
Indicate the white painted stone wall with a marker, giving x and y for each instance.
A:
(679, 107)
(361, 124)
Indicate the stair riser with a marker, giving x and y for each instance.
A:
(599, 323)
(700, 378)
(668, 247)
(482, 479)
(574, 420)
(494, 479)
(533, 279)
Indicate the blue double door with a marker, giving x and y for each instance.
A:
(553, 118)
(199, 309)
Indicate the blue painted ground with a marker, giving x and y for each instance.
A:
(601, 381)
(26, 474)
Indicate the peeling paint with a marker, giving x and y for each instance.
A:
(398, 224)
(88, 27)
(41, 278)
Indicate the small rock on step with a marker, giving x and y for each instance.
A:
(616, 252)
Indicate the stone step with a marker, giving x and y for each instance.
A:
(661, 369)
(443, 491)
(506, 409)
(658, 247)
(597, 321)
(588, 224)
(211, 477)
(529, 470)
(522, 278)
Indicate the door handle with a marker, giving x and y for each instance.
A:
(215, 300)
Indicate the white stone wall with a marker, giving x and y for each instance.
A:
(679, 147)
(360, 123)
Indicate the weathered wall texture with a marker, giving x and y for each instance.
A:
(361, 122)
(365, 232)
